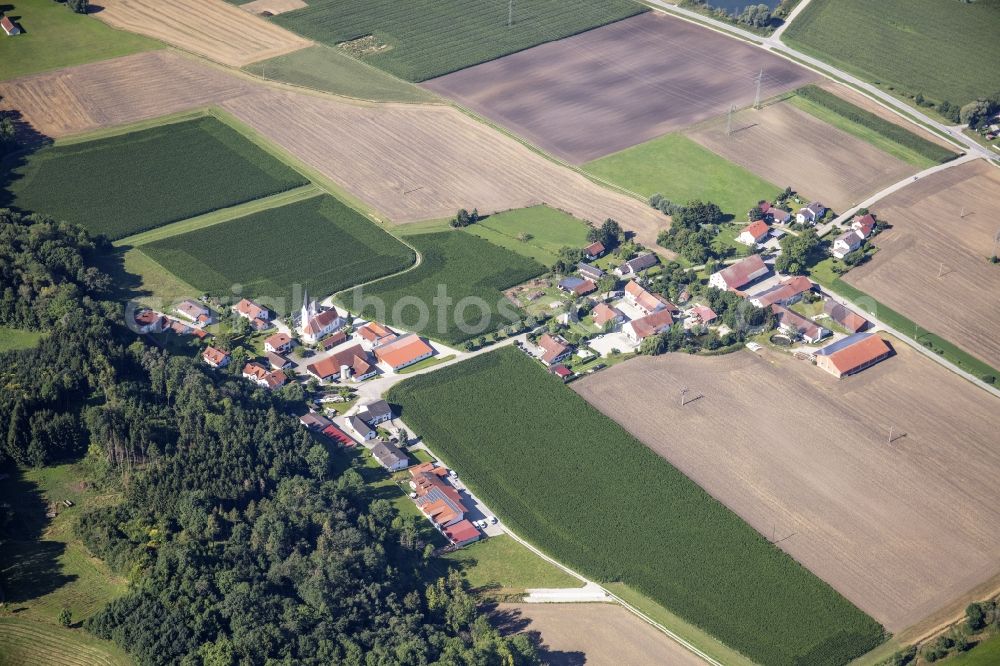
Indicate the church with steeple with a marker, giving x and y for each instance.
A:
(314, 324)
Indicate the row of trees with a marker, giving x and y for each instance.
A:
(245, 540)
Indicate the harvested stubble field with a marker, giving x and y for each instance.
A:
(29, 643)
(593, 634)
(900, 529)
(467, 267)
(785, 145)
(407, 161)
(116, 92)
(607, 89)
(582, 489)
(211, 28)
(932, 264)
(319, 244)
(124, 184)
(419, 39)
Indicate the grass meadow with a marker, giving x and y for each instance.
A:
(55, 37)
(538, 232)
(420, 39)
(319, 243)
(581, 488)
(121, 185)
(467, 266)
(944, 50)
(681, 170)
(12, 339)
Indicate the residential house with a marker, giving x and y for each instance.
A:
(403, 352)
(740, 274)
(195, 311)
(604, 313)
(633, 267)
(594, 251)
(147, 321)
(811, 214)
(9, 27)
(638, 330)
(554, 348)
(376, 412)
(260, 376)
(561, 371)
(375, 334)
(259, 316)
(786, 292)
(702, 314)
(779, 215)
(215, 357)
(754, 233)
(442, 503)
(589, 271)
(361, 429)
(852, 354)
(577, 286)
(390, 457)
(793, 324)
(279, 343)
(850, 320)
(314, 421)
(864, 225)
(351, 364)
(331, 341)
(277, 361)
(847, 242)
(646, 302)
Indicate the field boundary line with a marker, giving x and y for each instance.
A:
(221, 215)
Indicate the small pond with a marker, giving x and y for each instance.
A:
(780, 340)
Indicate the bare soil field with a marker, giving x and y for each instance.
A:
(409, 162)
(787, 146)
(604, 90)
(115, 92)
(899, 528)
(212, 28)
(273, 7)
(932, 267)
(574, 634)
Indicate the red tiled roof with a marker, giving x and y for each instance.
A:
(248, 308)
(860, 353)
(603, 313)
(255, 370)
(553, 348)
(461, 532)
(321, 321)
(373, 330)
(757, 229)
(584, 287)
(334, 339)
(338, 435)
(704, 313)
(278, 340)
(561, 371)
(7, 24)
(355, 357)
(594, 249)
(744, 271)
(648, 300)
(404, 351)
(214, 355)
(652, 324)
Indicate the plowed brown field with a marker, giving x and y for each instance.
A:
(900, 529)
(932, 267)
(789, 147)
(409, 162)
(211, 28)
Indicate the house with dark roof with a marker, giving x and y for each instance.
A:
(847, 318)
(375, 412)
(314, 421)
(589, 271)
(740, 274)
(633, 267)
(793, 324)
(277, 361)
(811, 214)
(577, 286)
(852, 354)
(847, 242)
(361, 429)
(390, 456)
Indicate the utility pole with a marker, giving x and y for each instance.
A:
(684, 391)
(756, 97)
(729, 120)
(890, 434)
(510, 13)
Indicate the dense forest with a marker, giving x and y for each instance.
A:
(242, 540)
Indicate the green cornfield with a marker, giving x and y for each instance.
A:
(577, 485)
(459, 265)
(124, 184)
(320, 244)
(419, 39)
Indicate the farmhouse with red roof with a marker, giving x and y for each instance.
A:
(740, 274)
(853, 354)
(754, 233)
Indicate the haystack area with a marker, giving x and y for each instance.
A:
(899, 529)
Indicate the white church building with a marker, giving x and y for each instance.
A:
(315, 324)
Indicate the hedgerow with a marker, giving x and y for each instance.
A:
(580, 487)
(464, 266)
(121, 185)
(320, 244)
(420, 39)
(891, 131)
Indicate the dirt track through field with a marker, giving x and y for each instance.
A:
(215, 29)
(899, 529)
(604, 90)
(406, 161)
(788, 147)
(932, 265)
(600, 634)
